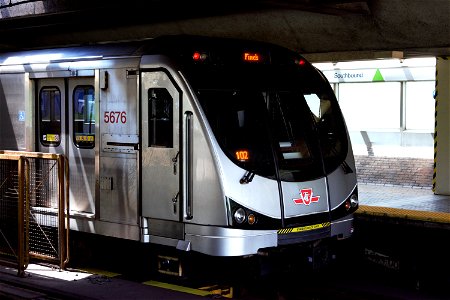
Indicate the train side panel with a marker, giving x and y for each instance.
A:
(118, 147)
(13, 111)
(180, 180)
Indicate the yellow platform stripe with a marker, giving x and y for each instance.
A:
(419, 215)
(100, 272)
(303, 228)
(177, 288)
(226, 292)
(205, 291)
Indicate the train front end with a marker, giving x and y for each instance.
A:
(280, 149)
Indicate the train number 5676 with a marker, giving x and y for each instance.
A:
(115, 117)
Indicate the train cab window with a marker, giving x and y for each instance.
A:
(314, 105)
(330, 128)
(84, 116)
(50, 116)
(160, 110)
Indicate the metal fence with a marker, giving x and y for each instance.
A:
(34, 219)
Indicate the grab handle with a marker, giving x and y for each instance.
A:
(188, 160)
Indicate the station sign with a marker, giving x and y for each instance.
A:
(380, 74)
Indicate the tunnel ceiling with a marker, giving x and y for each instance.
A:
(322, 29)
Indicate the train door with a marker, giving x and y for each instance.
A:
(160, 156)
(66, 125)
(51, 127)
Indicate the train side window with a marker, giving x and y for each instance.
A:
(50, 116)
(84, 116)
(160, 110)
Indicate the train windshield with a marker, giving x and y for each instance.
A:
(275, 121)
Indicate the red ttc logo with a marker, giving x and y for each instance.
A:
(306, 197)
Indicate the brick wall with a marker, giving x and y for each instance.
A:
(408, 172)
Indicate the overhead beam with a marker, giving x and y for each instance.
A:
(352, 55)
(329, 7)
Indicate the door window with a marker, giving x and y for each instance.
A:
(50, 116)
(84, 116)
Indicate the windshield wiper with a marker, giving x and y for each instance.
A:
(347, 169)
(248, 177)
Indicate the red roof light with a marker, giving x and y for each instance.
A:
(300, 62)
(196, 56)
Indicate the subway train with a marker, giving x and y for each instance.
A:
(218, 146)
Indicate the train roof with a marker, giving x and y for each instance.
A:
(160, 45)
(72, 53)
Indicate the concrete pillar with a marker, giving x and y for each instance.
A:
(441, 177)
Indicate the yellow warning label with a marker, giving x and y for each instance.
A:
(84, 138)
(52, 137)
(303, 228)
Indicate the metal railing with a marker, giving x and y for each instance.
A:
(34, 206)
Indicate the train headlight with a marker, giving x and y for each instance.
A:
(351, 202)
(239, 215)
(354, 200)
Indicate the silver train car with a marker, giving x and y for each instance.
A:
(218, 146)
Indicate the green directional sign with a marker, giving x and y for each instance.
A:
(378, 76)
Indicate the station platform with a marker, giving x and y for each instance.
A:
(404, 231)
(46, 282)
(407, 203)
